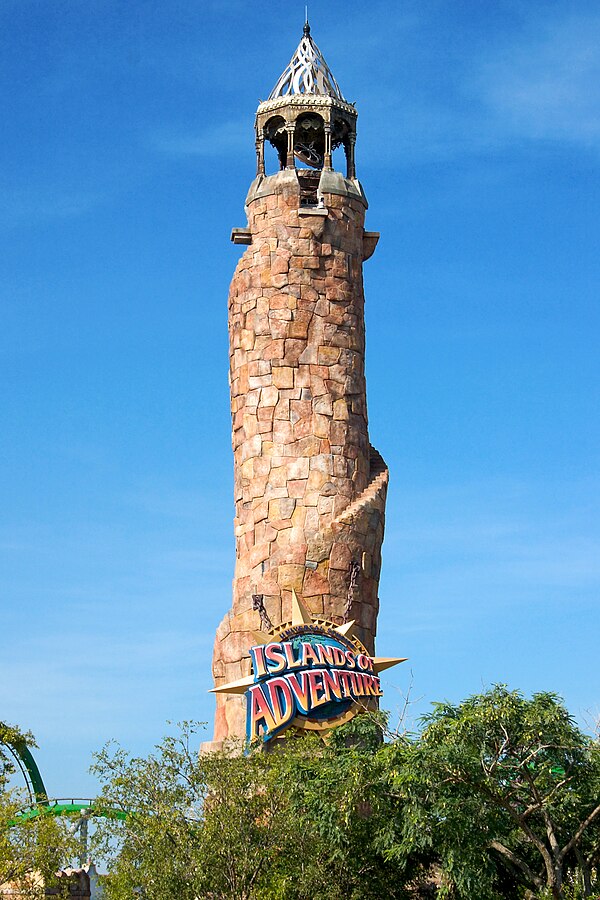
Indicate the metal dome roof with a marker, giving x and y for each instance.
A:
(307, 73)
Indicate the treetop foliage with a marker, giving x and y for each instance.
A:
(498, 796)
(495, 797)
(11, 736)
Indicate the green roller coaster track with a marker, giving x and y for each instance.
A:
(33, 778)
(77, 805)
(40, 803)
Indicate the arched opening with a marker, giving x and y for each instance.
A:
(309, 140)
(276, 141)
(338, 158)
(343, 135)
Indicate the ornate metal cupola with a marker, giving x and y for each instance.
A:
(306, 116)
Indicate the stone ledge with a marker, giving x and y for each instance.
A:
(241, 236)
(370, 241)
(286, 180)
(313, 211)
(332, 182)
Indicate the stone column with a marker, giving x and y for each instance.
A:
(260, 154)
(309, 489)
(350, 158)
(327, 160)
(290, 158)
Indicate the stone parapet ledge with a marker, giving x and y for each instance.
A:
(330, 182)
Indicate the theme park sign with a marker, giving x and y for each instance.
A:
(311, 677)
(309, 674)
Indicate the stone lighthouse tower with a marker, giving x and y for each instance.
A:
(309, 487)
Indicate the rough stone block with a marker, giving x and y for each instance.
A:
(293, 349)
(314, 583)
(323, 406)
(269, 396)
(316, 480)
(291, 577)
(275, 350)
(251, 447)
(325, 506)
(297, 489)
(319, 547)
(282, 431)
(303, 428)
(309, 355)
(279, 265)
(282, 410)
(321, 426)
(341, 557)
(283, 376)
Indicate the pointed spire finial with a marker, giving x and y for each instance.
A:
(306, 25)
(307, 72)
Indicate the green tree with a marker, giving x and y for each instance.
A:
(496, 797)
(11, 737)
(297, 822)
(505, 791)
(32, 848)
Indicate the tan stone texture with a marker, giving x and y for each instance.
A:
(309, 489)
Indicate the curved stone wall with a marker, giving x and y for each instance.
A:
(309, 489)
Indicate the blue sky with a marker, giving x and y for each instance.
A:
(127, 152)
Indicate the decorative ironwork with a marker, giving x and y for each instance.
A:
(258, 603)
(307, 73)
(354, 575)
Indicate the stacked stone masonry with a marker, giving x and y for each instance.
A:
(309, 489)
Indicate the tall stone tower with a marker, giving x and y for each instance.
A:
(309, 487)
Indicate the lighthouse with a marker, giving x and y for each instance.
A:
(309, 486)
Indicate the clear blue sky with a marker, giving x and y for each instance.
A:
(127, 151)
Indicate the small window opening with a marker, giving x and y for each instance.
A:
(309, 185)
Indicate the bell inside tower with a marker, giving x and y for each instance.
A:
(309, 148)
(309, 140)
